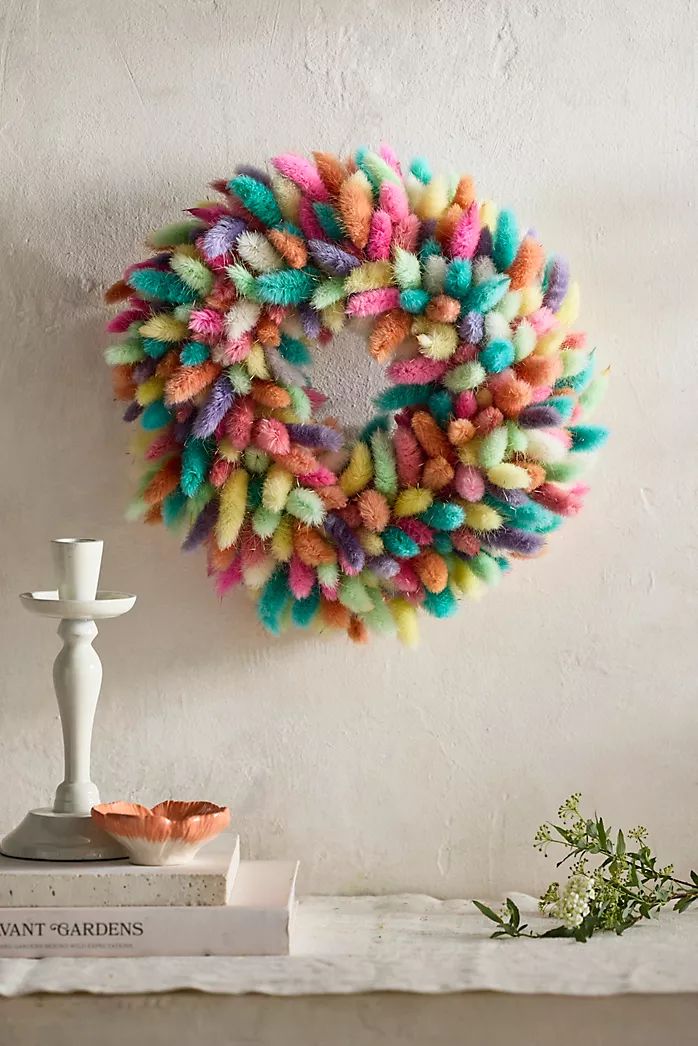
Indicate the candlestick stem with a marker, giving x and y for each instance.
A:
(77, 678)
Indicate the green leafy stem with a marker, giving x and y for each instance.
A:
(610, 886)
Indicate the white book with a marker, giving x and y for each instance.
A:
(207, 880)
(257, 920)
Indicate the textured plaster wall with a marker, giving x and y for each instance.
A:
(383, 769)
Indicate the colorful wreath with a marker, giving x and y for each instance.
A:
(474, 456)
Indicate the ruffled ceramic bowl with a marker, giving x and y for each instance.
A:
(171, 833)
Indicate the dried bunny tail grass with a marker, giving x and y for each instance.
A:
(278, 484)
(333, 497)
(331, 170)
(241, 318)
(437, 473)
(258, 252)
(380, 236)
(369, 276)
(388, 333)
(374, 510)
(306, 505)
(409, 457)
(231, 512)
(384, 465)
(465, 233)
(335, 615)
(303, 173)
(163, 327)
(290, 247)
(164, 482)
(359, 471)
(311, 547)
(405, 617)
(431, 438)
(356, 208)
(299, 461)
(411, 501)
(118, 291)
(432, 571)
(527, 263)
(187, 382)
(474, 454)
(268, 394)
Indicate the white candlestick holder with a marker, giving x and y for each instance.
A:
(66, 831)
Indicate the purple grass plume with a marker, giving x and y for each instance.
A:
(202, 526)
(343, 535)
(331, 258)
(558, 282)
(317, 436)
(513, 540)
(220, 400)
(222, 236)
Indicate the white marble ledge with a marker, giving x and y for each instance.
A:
(405, 943)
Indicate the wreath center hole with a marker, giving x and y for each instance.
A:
(346, 372)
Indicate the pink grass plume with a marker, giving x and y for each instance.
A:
(123, 320)
(165, 443)
(575, 340)
(229, 578)
(303, 173)
(301, 578)
(277, 313)
(466, 541)
(406, 233)
(542, 320)
(561, 435)
(469, 483)
(251, 548)
(465, 404)
(464, 353)
(407, 579)
(380, 236)
(418, 531)
(372, 303)
(219, 472)
(317, 398)
(320, 477)
(209, 214)
(238, 423)
(207, 322)
(393, 200)
(307, 219)
(236, 350)
(272, 436)
(565, 501)
(351, 569)
(387, 153)
(466, 233)
(418, 371)
(408, 457)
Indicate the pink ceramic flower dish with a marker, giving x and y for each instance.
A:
(171, 833)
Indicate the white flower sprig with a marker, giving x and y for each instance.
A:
(574, 901)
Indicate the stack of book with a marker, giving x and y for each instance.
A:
(217, 905)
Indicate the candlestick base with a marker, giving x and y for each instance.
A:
(45, 835)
